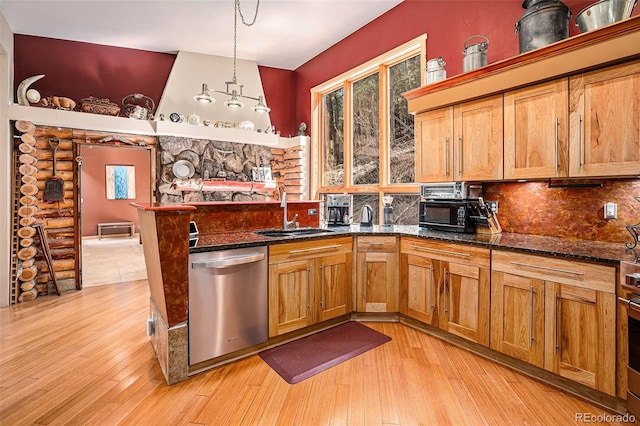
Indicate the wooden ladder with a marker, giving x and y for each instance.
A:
(47, 255)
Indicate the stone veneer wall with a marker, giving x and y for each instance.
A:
(235, 161)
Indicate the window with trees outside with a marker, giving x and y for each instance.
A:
(363, 133)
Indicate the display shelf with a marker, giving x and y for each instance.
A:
(226, 185)
(169, 128)
(594, 49)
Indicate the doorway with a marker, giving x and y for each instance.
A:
(105, 195)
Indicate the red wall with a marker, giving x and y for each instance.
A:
(95, 206)
(447, 24)
(78, 70)
(279, 92)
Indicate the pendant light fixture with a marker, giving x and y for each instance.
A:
(235, 93)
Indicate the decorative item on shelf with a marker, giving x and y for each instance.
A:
(183, 169)
(193, 119)
(603, 13)
(176, 118)
(435, 70)
(139, 106)
(302, 129)
(33, 96)
(100, 106)
(475, 55)
(59, 102)
(246, 125)
(543, 22)
(226, 124)
(262, 173)
(236, 91)
(23, 87)
(207, 123)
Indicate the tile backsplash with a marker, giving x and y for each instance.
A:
(567, 211)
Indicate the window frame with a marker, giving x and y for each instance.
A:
(380, 65)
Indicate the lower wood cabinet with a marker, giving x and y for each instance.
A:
(447, 285)
(557, 314)
(309, 282)
(376, 272)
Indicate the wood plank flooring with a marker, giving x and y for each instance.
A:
(84, 358)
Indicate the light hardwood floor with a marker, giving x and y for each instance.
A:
(84, 358)
(112, 260)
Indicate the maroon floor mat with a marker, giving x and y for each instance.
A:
(303, 358)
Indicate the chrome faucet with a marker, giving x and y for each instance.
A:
(285, 223)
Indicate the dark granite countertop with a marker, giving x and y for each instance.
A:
(592, 251)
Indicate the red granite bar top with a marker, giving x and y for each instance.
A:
(165, 208)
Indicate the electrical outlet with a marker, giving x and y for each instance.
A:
(493, 206)
(610, 211)
(312, 212)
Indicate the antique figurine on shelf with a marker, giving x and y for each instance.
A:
(302, 129)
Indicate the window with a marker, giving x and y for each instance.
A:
(333, 138)
(366, 143)
(364, 134)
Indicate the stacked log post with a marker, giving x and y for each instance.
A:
(289, 166)
(27, 270)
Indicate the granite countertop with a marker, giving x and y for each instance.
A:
(593, 251)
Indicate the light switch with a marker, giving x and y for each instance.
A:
(610, 211)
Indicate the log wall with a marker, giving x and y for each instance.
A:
(33, 163)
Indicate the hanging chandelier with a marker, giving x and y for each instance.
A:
(233, 88)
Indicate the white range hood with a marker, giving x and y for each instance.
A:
(190, 70)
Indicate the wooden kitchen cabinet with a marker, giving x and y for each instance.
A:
(579, 316)
(605, 122)
(536, 131)
(309, 282)
(458, 278)
(376, 274)
(460, 143)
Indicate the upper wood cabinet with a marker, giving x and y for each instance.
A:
(605, 122)
(536, 131)
(459, 143)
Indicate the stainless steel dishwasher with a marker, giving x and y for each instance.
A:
(228, 301)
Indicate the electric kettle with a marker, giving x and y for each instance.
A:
(366, 216)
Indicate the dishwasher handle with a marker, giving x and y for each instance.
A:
(227, 262)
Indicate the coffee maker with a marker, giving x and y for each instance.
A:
(338, 209)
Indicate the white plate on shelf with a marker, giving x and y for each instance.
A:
(183, 169)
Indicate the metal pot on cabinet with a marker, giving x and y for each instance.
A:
(475, 55)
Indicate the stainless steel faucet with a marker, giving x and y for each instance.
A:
(285, 223)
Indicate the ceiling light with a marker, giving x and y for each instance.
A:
(204, 96)
(234, 102)
(260, 106)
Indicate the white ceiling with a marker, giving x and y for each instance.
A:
(287, 33)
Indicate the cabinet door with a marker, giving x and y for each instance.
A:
(517, 317)
(418, 274)
(580, 335)
(465, 302)
(333, 286)
(376, 282)
(605, 122)
(536, 132)
(290, 296)
(478, 134)
(434, 145)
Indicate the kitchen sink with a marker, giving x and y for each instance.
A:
(293, 232)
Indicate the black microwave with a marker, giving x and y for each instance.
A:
(452, 215)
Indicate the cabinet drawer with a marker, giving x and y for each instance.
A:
(309, 249)
(376, 244)
(449, 252)
(563, 271)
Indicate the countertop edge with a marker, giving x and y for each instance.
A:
(589, 251)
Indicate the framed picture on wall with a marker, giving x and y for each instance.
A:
(121, 182)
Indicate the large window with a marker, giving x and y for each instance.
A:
(365, 134)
